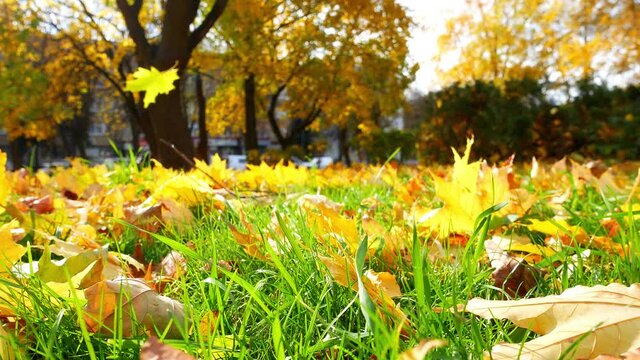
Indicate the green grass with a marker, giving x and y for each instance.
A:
(290, 306)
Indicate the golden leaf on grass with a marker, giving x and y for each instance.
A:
(209, 323)
(381, 287)
(421, 350)
(123, 299)
(582, 322)
(5, 185)
(467, 193)
(59, 271)
(174, 212)
(184, 188)
(251, 243)
(216, 171)
(573, 234)
(521, 247)
(6, 349)
(153, 349)
(395, 242)
(11, 252)
(329, 224)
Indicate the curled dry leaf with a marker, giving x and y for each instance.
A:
(39, 205)
(581, 323)
(421, 350)
(629, 355)
(173, 265)
(132, 298)
(153, 349)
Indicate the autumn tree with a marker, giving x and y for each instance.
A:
(115, 39)
(42, 84)
(557, 42)
(303, 61)
(499, 40)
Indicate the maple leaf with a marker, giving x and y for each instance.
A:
(153, 82)
(581, 323)
(467, 193)
(331, 227)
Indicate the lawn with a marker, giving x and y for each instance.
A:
(340, 263)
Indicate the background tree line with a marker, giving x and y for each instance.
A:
(526, 75)
(539, 78)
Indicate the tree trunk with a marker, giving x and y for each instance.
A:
(202, 152)
(343, 143)
(273, 121)
(144, 120)
(167, 130)
(16, 150)
(174, 147)
(250, 134)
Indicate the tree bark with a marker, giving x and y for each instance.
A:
(202, 152)
(250, 134)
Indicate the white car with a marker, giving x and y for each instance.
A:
(237, 162)
(318, 162)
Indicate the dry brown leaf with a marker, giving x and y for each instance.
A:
(421, 350)
(173, 265)
(604, 319)
(513, 275)
(138, 300)
(153, 349)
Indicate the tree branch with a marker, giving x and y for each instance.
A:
(136, 31)
(201, 31)
(271, 115)
(94, 25)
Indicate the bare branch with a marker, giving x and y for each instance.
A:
(210, 19)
